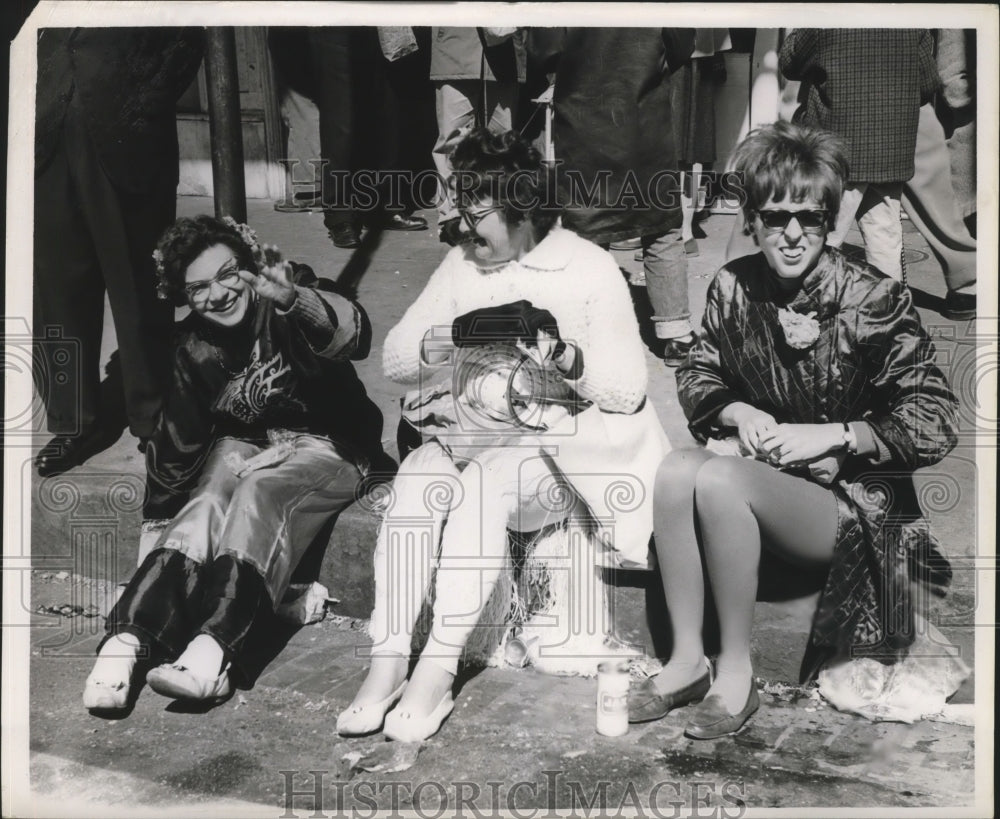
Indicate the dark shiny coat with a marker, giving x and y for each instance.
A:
(874, 362)
(613, 117)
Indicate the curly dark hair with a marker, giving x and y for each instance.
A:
(507, 169)
(800, 161)
(185, 240)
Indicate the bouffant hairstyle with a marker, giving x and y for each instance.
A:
(791, 159)
(507, 169)
(185, 240)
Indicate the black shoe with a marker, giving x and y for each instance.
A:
(645, 703)
(64, 452)
(345, 235)
(402, 221)
(959, 306)
(711, 720)
(675, 350)
(627, 244)
(450, 231)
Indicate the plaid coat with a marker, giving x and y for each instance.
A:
(872, 362)
(867, 85)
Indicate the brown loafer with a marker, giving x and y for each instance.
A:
(645, 703)
(711, 720)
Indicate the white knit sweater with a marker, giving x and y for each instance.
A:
(575, 280)
(609, 452)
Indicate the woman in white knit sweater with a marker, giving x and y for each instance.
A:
(518, 283)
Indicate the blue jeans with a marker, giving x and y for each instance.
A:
(667, 283)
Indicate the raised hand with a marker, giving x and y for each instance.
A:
(274, 280)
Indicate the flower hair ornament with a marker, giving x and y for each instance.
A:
(249, 237)
(801, 331)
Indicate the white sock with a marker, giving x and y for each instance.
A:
(203, 657)
(117, 659)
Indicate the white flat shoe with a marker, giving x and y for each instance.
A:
(101, 695)
(366, 719)
(403, 726)
(176, 681)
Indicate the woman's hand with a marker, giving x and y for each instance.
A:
(794, 444)
(751, 423)
(274, 281)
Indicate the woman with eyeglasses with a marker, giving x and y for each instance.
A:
(265, 435)
(814, 386)
(574, 434)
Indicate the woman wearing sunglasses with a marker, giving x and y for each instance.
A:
(265, 435)
(815, 387)
(517, 285)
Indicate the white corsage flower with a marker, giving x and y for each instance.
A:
(801, 331)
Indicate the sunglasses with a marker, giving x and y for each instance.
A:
(228, 276)
(473, 218)
(811, 221)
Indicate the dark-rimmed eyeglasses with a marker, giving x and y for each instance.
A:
(473, 218)
(228, 276)
(811, 221)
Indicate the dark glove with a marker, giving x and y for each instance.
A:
(508, 323)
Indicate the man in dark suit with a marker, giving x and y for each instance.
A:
(106, 172)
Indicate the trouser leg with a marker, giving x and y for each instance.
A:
(163, 600)
(330, 48)
(276, 512)
(68, 303)
(849, 204)
(455, 102)
(667, 283)
(929, 200)
(124, 228)
(878, 219)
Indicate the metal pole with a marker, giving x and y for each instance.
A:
(226, 130)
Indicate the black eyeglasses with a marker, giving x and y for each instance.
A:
(228, 276)
(473, 218)
(811, 221)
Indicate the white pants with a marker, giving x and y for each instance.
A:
(464, 513)
(876, 206)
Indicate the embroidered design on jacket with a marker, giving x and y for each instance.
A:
(262, 386)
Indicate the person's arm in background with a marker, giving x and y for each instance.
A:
(798, 51)
(930, 82)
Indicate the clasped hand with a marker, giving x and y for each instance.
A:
(274, 280)
(785, 444)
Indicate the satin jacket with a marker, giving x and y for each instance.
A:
(872, 362)
(276, 371)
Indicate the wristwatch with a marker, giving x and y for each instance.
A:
(850, 440)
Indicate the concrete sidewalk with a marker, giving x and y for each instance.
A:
(509, 726)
